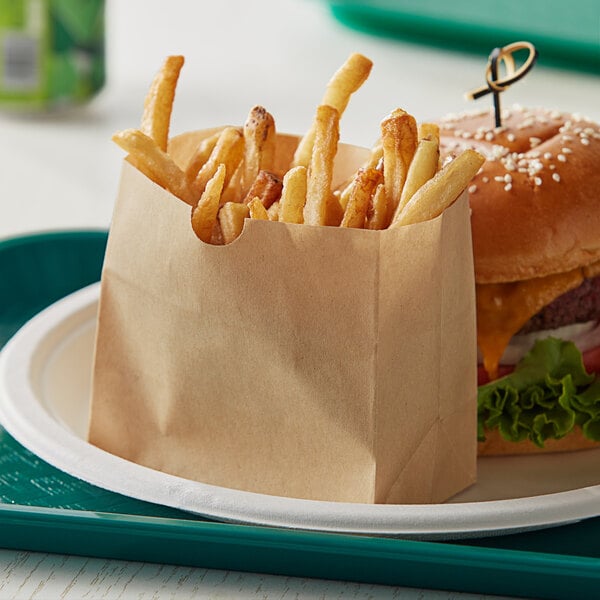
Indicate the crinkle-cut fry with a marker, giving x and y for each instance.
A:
(293, 196)
(399, 142)
(423, 167)
(320, 171)
(201, 155)
(156, 164)
(259, 145)
(442, 190)
(344, 82)
(228, 151)
(204, 214)
(374, 161)
(158, 104)
(273, 211)
(377, 211)
(231, 219)
(365, 182)
(257, 209)
(267, 187)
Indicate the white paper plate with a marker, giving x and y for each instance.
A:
(44, 404)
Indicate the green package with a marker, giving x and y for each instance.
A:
(51, 53)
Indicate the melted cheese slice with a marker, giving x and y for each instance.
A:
(503, 308)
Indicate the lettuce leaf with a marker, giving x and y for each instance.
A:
(545, 397)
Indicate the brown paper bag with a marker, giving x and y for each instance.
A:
(312, 362)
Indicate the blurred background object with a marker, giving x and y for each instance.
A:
(51, 53)
(567, 34)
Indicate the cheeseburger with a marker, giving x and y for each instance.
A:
(536, 242)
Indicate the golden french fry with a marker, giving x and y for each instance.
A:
(273, 211)
(267, 187)
(320, 172)
(442, 190)
(259, 145)
(204, 214)
(373, 162)
(201, 156)
(365, 182)
(345, 81)
(423, 167)
(293, 196)
(257, 209)
(430, 131)
(156, 164)
(377, 211)
(156, 118)
(334, 212)
(228, 151)
(231, 219)
(399, 142)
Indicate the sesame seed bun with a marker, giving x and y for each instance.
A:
(535, 202)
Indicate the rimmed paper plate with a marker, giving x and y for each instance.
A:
(44, 403)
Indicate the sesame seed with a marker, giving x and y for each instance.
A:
(534, 141)
(510, 137)
(508, 187)
(562, 158)
(567, 151)
(485, 179)
(537, 180)
(556, 176)
(508, 178)
(472, 189)
(552, 167)
(585, 141)
(489, 136)
(548, 155)
(499, 178)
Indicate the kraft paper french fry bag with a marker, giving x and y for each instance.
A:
(311, 362)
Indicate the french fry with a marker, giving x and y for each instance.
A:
(228, 151)
(259, 145)
(156, 118)
(334, 212)
(377, 211)
(204, 214)
(441, 191)
(374, 161)
(156, 164)
(293, 196)
(345, 81)
(273, 211)
(422, 168)
(201, 155)
(231, 219)
(257, 209)
(267, 187)
(365, 182)
(429, 130)
(399, 142)
(320, 172)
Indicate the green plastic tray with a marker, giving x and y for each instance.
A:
(43, 509)
(566, 34)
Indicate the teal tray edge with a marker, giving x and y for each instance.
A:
(396, 23)
(37, 269)
(383, 561)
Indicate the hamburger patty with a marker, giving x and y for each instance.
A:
(575, 306)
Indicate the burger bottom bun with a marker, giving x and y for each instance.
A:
(496, 445)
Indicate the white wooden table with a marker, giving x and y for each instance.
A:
(62, 171)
